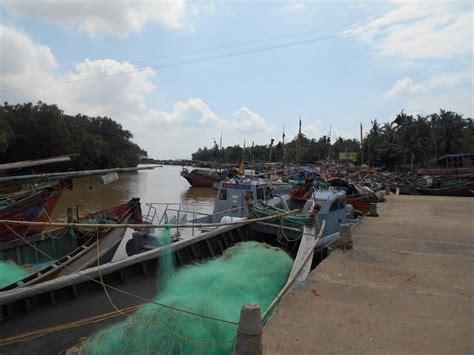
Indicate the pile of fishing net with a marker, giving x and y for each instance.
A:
(10, 273)
(247, 272)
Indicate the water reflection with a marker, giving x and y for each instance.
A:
(159, 185)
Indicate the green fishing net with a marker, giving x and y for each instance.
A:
(10, 273)
(247, 272)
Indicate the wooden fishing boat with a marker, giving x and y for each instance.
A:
(41, 306)
(359, 196)
(35, 204)
(447, 188)
(202, 177)
(70, 248)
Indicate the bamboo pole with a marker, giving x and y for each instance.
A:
(290, 281)
(143, 225)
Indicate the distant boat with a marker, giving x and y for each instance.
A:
(73, 249)
(35, 204)
(202, 177)
(445, 187)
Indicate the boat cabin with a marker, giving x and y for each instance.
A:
(233, 194)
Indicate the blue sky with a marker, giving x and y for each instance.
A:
(361, 61)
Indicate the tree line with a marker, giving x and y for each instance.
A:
(35, 131)
(418, 139)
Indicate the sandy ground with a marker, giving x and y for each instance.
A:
(406, 287)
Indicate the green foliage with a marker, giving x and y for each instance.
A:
(423, 138)
(38, 131)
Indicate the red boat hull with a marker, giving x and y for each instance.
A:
(200, 181)
(359, 203)
(36, 207)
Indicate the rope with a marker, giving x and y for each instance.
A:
(66, 326)
(123, 291)
(46, 214)
(100, 275)
(132, 225)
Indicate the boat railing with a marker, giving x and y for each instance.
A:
(173, 213)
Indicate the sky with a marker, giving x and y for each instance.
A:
(178, 74)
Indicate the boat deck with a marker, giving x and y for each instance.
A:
(406, 287)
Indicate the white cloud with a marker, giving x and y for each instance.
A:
(196, 113)
(450, 79)
(405, 87)
(445, 31)
(193, 111)
(206, 8)
(111, 17)
(293, 7)
(94, 90)
(20, 56)
(244, 119)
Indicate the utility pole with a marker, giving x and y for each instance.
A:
(329, 141)
(283, 147)
(361, 147)
(271, 145)
(251, 153)
(298, 151)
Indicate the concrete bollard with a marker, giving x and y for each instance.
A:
(373, 210)
(345, 237)
(249, 331)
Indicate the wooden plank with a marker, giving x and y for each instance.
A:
(29, 163)
(20, 179)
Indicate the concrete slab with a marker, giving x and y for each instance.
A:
(406, 287)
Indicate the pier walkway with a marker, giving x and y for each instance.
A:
(406, 287)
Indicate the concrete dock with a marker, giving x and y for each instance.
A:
(406, 287)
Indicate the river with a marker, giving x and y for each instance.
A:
(158, 185)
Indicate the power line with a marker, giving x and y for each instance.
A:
(268, 39)
(234, 54)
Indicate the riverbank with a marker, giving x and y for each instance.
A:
(406, 287)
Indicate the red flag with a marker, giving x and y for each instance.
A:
(241, 167)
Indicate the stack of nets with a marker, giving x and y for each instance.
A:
(10, 273)
(247, 272)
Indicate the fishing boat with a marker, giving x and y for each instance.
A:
(34, 204)
(55, 253)
(359, 196)
(202, 177)
(443, 186)
(248, 198)
(129, 282)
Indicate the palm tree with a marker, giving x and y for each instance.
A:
(449, 130)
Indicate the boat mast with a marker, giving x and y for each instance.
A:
(283, 158)
(298, 151)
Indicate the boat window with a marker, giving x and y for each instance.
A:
(248, 195)
(260, 194)
(334, 206)
(268, 193)
(223, 194)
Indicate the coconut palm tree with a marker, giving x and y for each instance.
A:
(449, 130)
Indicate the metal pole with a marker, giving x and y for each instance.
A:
(361, 147)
